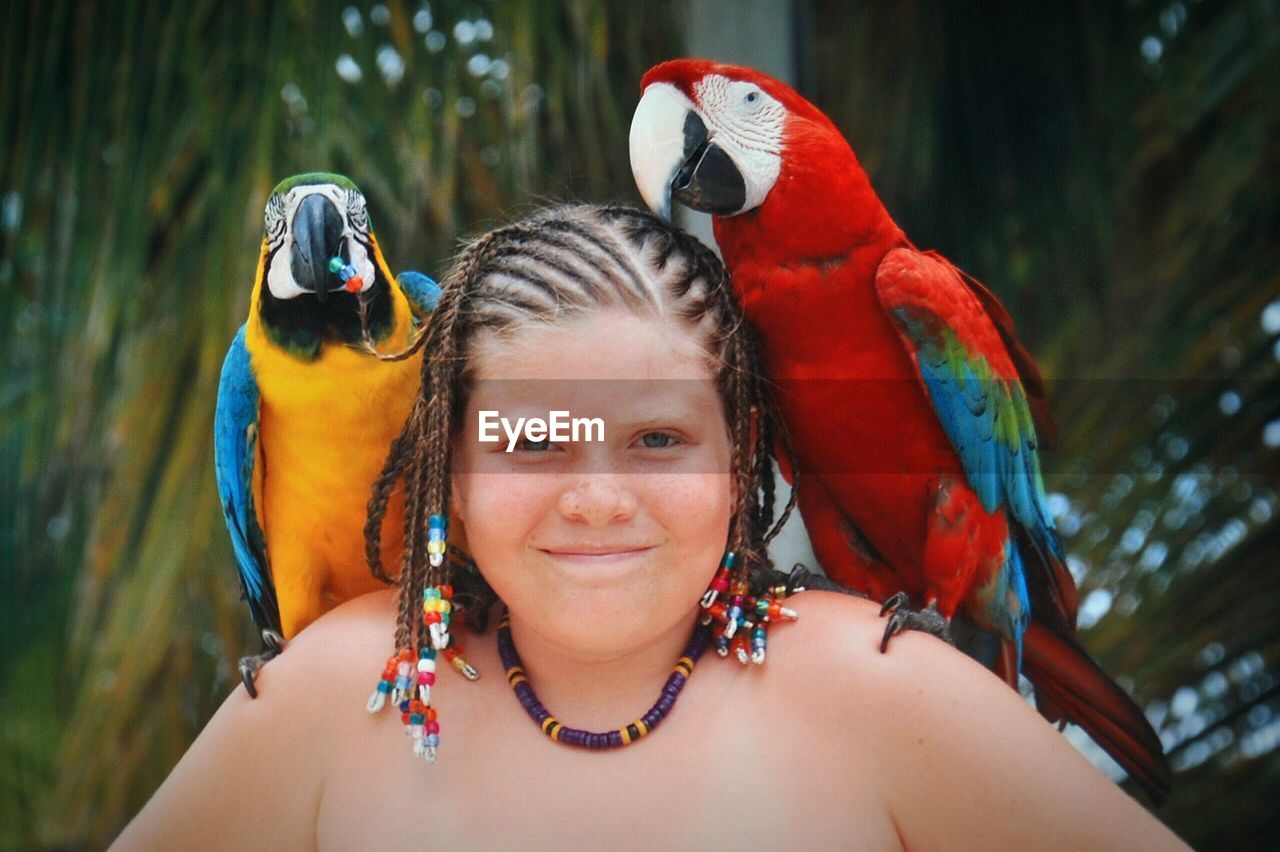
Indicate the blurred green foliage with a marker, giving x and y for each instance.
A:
(1108, 169)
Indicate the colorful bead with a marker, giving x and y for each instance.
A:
(758, 641)
(454, 654)
(383, 688)
(740, 648)
(436, 612)
(436, 526)
(735, 619)
(744, 620)
(556, 731)
(715, 612)
(336, 264)
(720, 582)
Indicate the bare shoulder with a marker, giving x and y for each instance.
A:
(361, 621)
(352, 640)
(833, 651)
(350, 628)
(927, 720)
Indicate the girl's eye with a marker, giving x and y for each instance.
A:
(529, 446)
(657, 440)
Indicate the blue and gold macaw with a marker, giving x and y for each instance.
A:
(305, 415)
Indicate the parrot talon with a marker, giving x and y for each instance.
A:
(894, 601)
(798, 579)
(927, 620)
(803, 577)
(250, 665)
(273, 640)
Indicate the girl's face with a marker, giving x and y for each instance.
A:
(597, 545)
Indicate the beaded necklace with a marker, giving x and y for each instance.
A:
(627, 734)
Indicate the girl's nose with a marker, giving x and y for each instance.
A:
(598, 500)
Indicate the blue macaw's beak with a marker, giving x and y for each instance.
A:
(317, 237)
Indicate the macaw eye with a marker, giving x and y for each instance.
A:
(273, 219)
(752, 98)
(357, 213)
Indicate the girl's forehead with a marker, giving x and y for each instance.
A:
(605, 345)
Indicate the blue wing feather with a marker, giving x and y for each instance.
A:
(235, 436)
(969, 410)
(1001, 474)
(421, 290)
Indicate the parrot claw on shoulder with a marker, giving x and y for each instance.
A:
(902, 617)
(249, 666)
(802, 577)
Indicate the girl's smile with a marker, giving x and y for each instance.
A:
(596, 568)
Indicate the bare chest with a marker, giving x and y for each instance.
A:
(721, 770)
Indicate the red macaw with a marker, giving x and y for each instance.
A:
(912, 408)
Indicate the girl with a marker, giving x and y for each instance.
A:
(602, 551)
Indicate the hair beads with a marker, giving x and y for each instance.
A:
(435, 542)
(350, 280)
(745, 615)
(410, 686)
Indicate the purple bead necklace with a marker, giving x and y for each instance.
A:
(625, 735)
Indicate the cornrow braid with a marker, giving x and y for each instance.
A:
(557, 264)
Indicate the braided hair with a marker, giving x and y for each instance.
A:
(558, 264)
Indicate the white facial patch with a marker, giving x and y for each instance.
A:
(278, 220)
(747, 123)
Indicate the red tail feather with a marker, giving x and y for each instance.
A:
(1081, 692)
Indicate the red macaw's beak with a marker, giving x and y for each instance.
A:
(673, 156)
(317, 235)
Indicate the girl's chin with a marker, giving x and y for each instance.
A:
(607, 629)
(608, 618)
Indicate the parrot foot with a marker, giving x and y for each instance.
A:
(249, 665)
(902, 617)
(802, 577)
